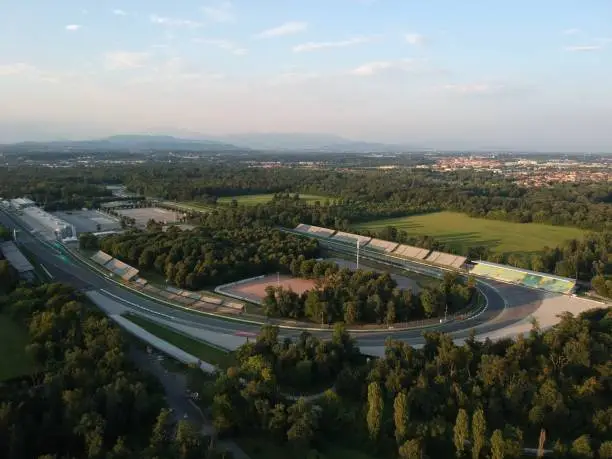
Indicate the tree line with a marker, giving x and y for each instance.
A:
(548, 389)
(342, 295)
(362, 194)
(205, 256)
(85, 399)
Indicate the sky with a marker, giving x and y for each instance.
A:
(523, 74)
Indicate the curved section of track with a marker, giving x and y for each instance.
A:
(506, 304)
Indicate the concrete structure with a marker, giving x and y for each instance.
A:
(16, 259)
(49, 223)
(22, 203)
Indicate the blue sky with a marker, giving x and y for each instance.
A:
(444, 73)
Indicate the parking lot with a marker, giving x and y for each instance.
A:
(144, 214)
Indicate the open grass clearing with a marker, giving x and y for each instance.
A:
(461, 232)
(204, 351)
(193, 205)
(254, 199)
(14, 361)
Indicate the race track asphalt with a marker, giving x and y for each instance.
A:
(506, 304)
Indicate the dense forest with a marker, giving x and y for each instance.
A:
(362, 194)
(355, 195)
(342, 295)
(479, 399)
(86, 399)
(205, 256)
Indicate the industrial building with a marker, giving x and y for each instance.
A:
(61, 229)
(43, 222)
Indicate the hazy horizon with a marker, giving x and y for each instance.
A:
(441, 74)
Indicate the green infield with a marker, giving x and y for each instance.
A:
(193, 205)
(14, 361)
(254, 199)
(461, 231)
(200, 349)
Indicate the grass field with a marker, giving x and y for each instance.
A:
(203, 351)
(194, 205)
(13, 359)
(254, 199)
(461, 231)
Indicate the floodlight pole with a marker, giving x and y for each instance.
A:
(357, 255)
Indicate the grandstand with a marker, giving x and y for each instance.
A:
(446, 259)
(524, 277)
(408, 251)
(350, 238)
(101, 258)
(378, 245)
(314, 230)
(125, 271)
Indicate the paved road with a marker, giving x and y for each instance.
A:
(506, 304)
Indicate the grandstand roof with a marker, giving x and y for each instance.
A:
(341, 235)
(101, 257)
(15, 257)
(379, 244)
(526, 271)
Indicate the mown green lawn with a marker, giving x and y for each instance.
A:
(461, 231)
(203, 351)
(195, 205)
(13, 359)
(254, 199)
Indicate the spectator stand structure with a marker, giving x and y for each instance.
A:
(410, 252)
(351, 238)
(185, 298)
(315, 231)
(17, 260)
(524, 277)
(446, 259)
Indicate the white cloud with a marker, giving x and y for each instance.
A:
(288, 28)
(474, 88)
(18, 68)
(415, 39)
(73, 27)
(579, 48)
(118, 60)
(222, 12)
(119, 12)
(223, 44)
(313, 45)
(376, 67)
(173, 22)
(572, 31)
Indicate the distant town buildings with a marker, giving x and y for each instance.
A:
(528, 172)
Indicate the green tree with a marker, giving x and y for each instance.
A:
(411, 449)
(375, 410)
(581, 448)
(498, 446)
(479, 431)
(461, 432)
(400, 417)
(605, 450)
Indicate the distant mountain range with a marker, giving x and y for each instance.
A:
(196, 143)
(132, 143)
